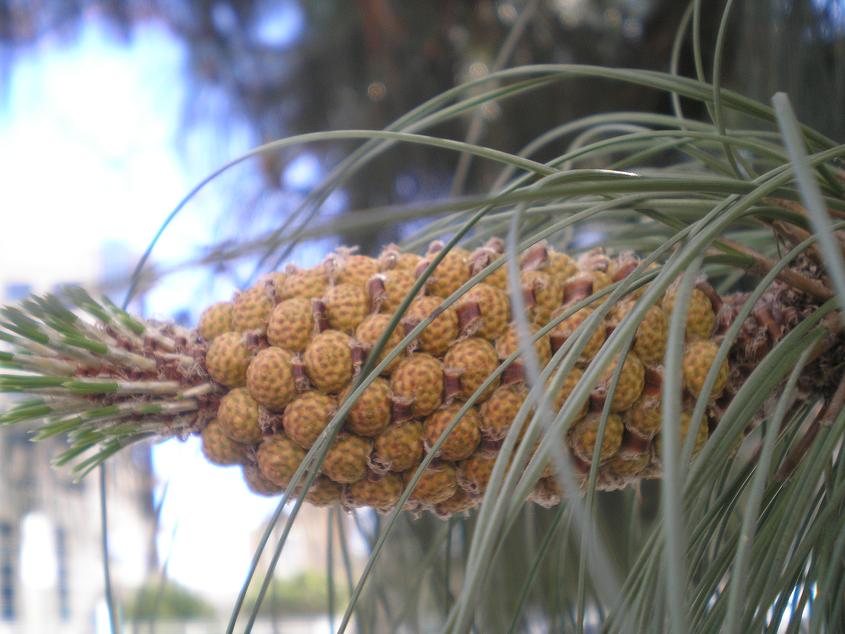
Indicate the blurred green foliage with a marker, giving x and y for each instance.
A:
(304, 593)
(168, 601)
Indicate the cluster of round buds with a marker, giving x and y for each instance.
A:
(291, 348)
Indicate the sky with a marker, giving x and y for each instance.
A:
(91, 156)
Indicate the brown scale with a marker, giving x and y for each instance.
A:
(359, 356)
(269, 422)
(452, 384)
(595, 259)
(273, 284)
(300, 376)
(626, 466)
(546, 493)
(483, 257)
(576, 288)
(625, 264)
(376, 292)
(401, 409)
(536, 257)
(484, 311)
(645, 416)
(392, 257)
(514, 374)
(544, 292)
(320, 314)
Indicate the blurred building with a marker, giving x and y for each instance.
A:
(51, 576)
(50, 560)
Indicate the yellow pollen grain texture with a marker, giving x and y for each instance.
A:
(346, 307)
(584, 435)
(701, 319)
(462, 440)
(699, 357)
(219, 449)
(215, 320)
(291, 324)
(269, 378)
(238, 416)
(436, 484)
(476, 359)
(494, 306)
(419, 379)
(450, 274)
(307, 416)
(346, 460)
(228, 358)
(370, 331)
(441, 332)
(399, 447)
(370, 413)
(328, 360)
(251, 309)
(278, 458)
(498, 411)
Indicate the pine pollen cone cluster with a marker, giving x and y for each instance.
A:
(288, 352)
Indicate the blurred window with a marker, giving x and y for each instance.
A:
(7, 572)
(62, 573)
